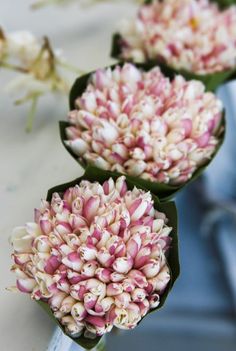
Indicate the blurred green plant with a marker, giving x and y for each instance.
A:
(38, 66)
(41, 3)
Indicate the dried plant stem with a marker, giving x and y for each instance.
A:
(42, 3)
(13, 67)
(31, 114)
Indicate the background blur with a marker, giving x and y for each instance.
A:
(200, 313)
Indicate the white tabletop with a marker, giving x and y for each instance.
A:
(32, 163)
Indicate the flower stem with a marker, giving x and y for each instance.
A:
(31, 114)
(13, 67)
(42, 3)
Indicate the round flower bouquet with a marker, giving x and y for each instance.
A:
(157, 128)
(101, 253)
(195, 38)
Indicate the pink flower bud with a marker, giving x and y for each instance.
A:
(67, 304)
(78, 312)
(56, 301)
(144, 307)
(89, 269)
(122, 300)
(128, 285)
(105, 258)
(22, 240)
(96, 287)
(72, 241)
(108, 186)
(85, 119)
(77, 221)
(137, 209)
(118, 317)
(78, 291)
(130, 74)
(88, 101)
(51, 265)
(90, 207)
(106, 303)
(103, 274)
(138, 295)
(154, 301)
(78, 146)
(74, 277)
(187, 125)
(73, 261)
(88, 252)
(55, 239)
(134, 245)
(26, 285)
(142, 257)
(162, 279)
(74, 329)
(151, 269)
(114, 289)
(42, 244)
(45, 226)
(138, 278)
(135, 168)
(121, 186)
(101, 79)
(21, 259)
(116, 277)
(77, 206)
(63, 285)
(57, 204)
(72, 133)
(123, 264)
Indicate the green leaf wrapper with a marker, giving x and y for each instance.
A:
(211, 81)
(163, 191)
(93, 174)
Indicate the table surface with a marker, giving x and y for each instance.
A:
(32, 163)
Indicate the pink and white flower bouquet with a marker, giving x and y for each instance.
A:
(159, 130)
(193, 37)
(100, 253)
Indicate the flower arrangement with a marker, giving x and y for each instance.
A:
(98, 255)
(195, 37)
(141, 123)
(38, 66)
(102, 251)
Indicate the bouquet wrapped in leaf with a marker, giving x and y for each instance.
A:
(194, 38)
(158, 129)
(101, 253)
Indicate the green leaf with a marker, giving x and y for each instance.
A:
(164, 191)
(211, 81)
(94, 174)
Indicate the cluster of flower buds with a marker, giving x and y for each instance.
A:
(142, 124)
(191, 34)
(96, 254)
(38, 65)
